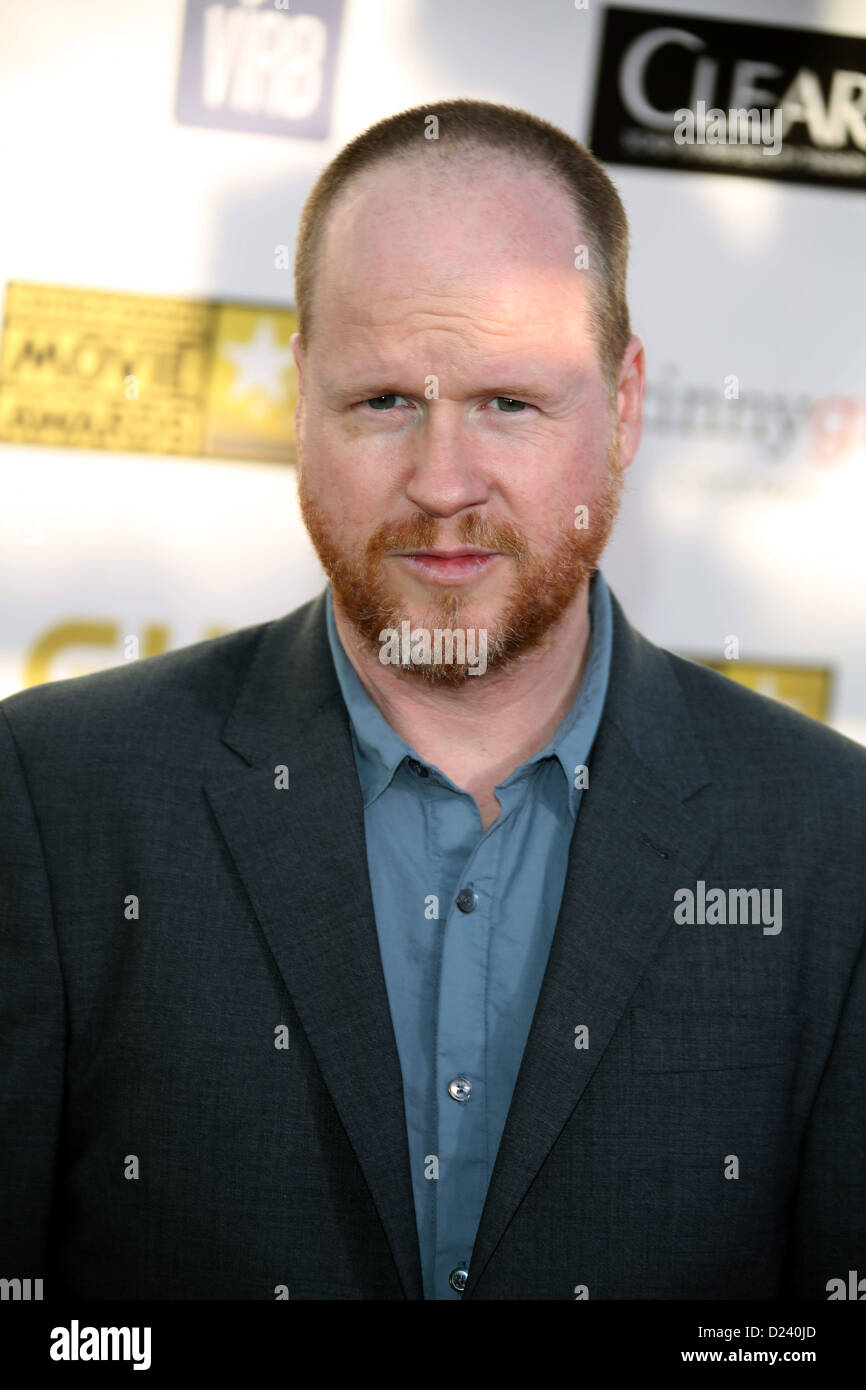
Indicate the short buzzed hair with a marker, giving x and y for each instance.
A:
(466, 126)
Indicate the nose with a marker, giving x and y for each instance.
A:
(446, 473)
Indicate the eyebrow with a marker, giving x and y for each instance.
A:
(506, 386)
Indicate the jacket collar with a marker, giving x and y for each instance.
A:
(379, 749)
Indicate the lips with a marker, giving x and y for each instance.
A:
(449, 566)
(446, 554)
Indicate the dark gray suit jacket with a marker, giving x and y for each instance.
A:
(156, 1143)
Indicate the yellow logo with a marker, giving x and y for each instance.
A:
(143, 374)
(804, 688)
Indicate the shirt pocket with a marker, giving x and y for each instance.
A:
(688, 1040)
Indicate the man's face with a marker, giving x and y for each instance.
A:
(451, 400)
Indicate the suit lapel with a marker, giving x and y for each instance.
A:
(301, 854)
(635, 842)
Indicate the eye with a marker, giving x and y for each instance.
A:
(383, 403)
(510, 401)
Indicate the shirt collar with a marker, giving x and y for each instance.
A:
(379, 749)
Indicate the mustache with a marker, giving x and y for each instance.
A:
(421, 532)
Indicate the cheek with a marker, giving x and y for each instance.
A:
(575, 504)
(330, 462)
(344, 431)
(352, 491)
(542, 500)
(341, 446)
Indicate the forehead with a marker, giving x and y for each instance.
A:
(480, 249)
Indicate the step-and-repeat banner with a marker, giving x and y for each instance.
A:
(147, 386)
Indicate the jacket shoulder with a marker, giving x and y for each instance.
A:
(188, 691)
(754, 730)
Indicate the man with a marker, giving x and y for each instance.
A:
(443, 938)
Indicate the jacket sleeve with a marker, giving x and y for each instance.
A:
(32, 1029)
(829, 1221)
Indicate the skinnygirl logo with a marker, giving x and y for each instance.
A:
(771, 422)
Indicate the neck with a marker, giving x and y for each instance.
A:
(493, 723)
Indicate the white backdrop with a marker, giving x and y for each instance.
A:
(760, 536)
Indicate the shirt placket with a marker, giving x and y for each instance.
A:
(461, 1069)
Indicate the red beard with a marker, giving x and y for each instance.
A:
(543, 588)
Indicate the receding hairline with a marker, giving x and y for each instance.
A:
(443, 156)
(447, 177)
(449, 162)
(470, 132)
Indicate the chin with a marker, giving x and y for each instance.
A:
(442, 607)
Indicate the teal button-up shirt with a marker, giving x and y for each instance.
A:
(465, 920)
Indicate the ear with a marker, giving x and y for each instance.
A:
(298, 354)
(630, 389)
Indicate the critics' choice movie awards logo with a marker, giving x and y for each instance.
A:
(147, 374)
(263, 66)
(682, 92)
(806, 689)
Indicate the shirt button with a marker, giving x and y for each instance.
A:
(417, 768)
(457, 1279)
(467, 900)
(460, 1088)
